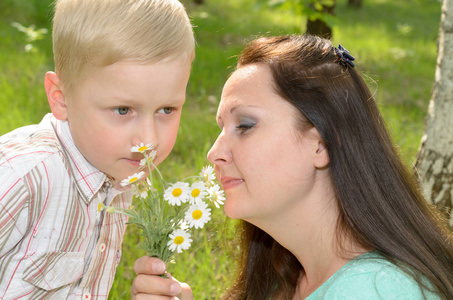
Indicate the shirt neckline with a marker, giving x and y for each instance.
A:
(340, 271)
(86, 176)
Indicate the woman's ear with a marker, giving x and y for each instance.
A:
(321, 157)
(319, 152)
(55, 96)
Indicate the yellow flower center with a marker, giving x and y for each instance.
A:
(195, 193)
(133, 179)
(177, 192)
(99, 207)
(197, 214)
(141, 149)
(179, 240)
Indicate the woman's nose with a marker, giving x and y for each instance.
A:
(220, 152)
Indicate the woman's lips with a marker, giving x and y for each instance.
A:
(230, 182)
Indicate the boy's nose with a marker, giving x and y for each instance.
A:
(220, 152)
(146, 134)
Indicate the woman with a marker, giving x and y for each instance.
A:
(329, 210)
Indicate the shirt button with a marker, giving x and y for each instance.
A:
(102, 247)
(118, 256)
(86, 296)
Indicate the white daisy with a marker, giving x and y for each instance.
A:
(207, 173)
(177, 193)
(141, 190)
(183, 225)
(132, 179)
(197, 192)
(198, 214)
(148, 159)
(216, 195)
(180, 240)
(142, 148)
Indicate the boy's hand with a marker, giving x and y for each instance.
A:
(147, 285)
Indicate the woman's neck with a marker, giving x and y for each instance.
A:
(309, 231)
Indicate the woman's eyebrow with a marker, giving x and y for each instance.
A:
(233, 109)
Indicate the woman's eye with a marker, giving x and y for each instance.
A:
(243, 127)
(121, 110)
(166, 110)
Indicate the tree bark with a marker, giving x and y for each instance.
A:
(355, 3)
(320, 27)
(434, 162)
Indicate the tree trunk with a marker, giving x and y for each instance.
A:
(355, 3)
(434, 162)
(318, 26)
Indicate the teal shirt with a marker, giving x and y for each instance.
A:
(370, 277)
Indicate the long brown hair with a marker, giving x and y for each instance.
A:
(381, 205)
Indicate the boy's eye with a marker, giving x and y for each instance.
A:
(121, 110)
(166, 110)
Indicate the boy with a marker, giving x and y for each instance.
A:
(121, 71)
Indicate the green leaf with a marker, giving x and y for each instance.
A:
(276, 3)
(328, 3)
(318, 6)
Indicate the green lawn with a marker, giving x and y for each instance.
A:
(394, 43)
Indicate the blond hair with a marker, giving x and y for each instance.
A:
(96, 33)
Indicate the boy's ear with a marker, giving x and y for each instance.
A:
(55, 96)
(321, 157)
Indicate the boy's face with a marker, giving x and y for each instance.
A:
(125, 104)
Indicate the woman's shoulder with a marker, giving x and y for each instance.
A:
(371, 276)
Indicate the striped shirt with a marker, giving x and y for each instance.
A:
(54, 241)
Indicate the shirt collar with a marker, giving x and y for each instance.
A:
(87, 177)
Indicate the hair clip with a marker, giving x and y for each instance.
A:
(345, 57)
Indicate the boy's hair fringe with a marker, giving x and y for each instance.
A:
(97, 33)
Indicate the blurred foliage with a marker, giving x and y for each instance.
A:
(31, 34)
(310, 9)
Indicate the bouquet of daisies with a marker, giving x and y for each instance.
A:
(169, 210)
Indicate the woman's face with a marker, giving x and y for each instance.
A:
(265, 164)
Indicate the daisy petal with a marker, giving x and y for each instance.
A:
(142, 148)
(132, 179)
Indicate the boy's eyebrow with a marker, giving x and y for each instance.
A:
(117, 97)
(129, 100)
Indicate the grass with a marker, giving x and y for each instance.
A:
(394, 43)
